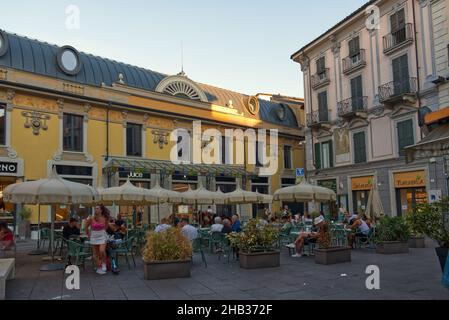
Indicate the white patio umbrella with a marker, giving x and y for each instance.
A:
(202, 196)
(304, 192)
(157, 194)
(240, 196)
(126, 194)
(50, 191)
(264, 198)
(374, 206)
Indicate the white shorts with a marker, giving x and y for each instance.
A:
(98, 237)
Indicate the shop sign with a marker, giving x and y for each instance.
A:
(135, 175)
(8, 167)
(410, 179)
(362, 183)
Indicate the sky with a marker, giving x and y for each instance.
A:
(240, 45)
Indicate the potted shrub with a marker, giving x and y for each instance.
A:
(435, 218)
(166, 255)
(256, 245)
(326, 253)
(392, 235)
(417, 226)
(25, 225)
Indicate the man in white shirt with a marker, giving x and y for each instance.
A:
(217, 226)
(162, 226)
(187, 230)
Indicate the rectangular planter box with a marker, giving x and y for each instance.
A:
(418, 242)
(256, 260)
(167, 269)
(332, 255)
(392, 247)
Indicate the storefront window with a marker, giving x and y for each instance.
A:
(410, 190)
(6, 209)
(222, 209)
(361, 187)
(134, 215)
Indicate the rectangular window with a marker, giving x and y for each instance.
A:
(405, 135)
(322, 107)
(133, 140)
(2, 124)
(287, 157)
(401, 77)
(72, 132)
(321, 66)
(324, 155)
(359, 147)
(225, 154)
(354, 49)
(397, 24)
(357, 94)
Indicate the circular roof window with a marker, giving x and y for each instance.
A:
(253, 105)
(3, 43)
(281, 112)
(69, 60)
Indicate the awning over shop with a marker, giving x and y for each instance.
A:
(169, 167)
(435, 144)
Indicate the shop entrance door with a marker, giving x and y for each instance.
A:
(407, 198)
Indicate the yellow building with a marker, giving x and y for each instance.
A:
(101, 122)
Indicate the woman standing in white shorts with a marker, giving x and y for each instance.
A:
(98, 236)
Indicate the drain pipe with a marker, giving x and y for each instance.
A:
(418, 86)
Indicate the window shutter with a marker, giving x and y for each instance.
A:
(405, 135)
(322, 106)
(354, 46)
(359, 147)
(401, 19)
(320, 66)
(401, 75)
(331, 154)
(317, 156)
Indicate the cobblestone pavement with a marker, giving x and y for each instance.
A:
(416, 275)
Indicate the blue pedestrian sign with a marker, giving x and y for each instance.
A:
(300, 172)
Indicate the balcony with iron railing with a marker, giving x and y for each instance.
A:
(399, 90)
(352, 107)
(354, 62)
(317, 118)
(320, 79)
(398, 39)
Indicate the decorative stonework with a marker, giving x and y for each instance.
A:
(12, 154)
(60, 104)
(72, 88)
(58, 155)
(10, 94)
(146, 116)
(3, 74)
(87, 108)
(181, 86)
(304, 61)
(336, 46)
(36, 121)
(160, 137)
(377, 111)
(124, 118)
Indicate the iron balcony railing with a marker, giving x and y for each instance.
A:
(352, 105)
(397, 89)
(398, 38)
(317, 117)
(354, 62)
(320, 79)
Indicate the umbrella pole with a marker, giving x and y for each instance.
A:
(158, 214)
(52, 266)
(38, 251)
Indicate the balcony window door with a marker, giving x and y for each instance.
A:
(354, 50)
(322, 107)
(321, 68)
(72, 133)
(397, 24)
(357, 94)
(405, 135)
(401, 76)
(133, 140)
(359, 147)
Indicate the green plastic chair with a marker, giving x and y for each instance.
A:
(125, 248)
(198, 248)
(225, 248)
(45, 237)
(215, 241)
(78, 251)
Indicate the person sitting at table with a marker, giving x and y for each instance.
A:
(350, 218)
(163, 226)
(306, 238)
(287, 225)
(217, 226)
(227, 228)
(361, 230)
(236, 224)
(307, 218)
(71, 229)
(6, 237)
(119, 221)
(189, 231)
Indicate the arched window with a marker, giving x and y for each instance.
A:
(182, 87)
